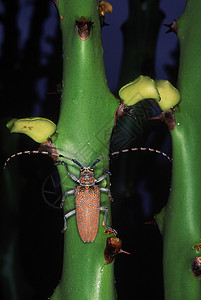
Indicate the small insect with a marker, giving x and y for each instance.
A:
(87, 192)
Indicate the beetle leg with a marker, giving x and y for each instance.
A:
(108, 192)
(101, 178)
(64, 197)
(69, 214)
(63, 163)
(106, 172)
(104, 208)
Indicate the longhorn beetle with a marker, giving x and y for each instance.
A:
(87, 201)
(87, 192)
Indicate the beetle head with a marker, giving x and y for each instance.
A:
(87, 177)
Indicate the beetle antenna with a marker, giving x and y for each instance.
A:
(40, 152)
(77, 162)
(131, 149)
(72, 159)
(99, 159)
(26, 152)
(141, 149)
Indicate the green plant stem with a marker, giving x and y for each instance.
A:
(140, 36)
(84, 128)
(183, 212)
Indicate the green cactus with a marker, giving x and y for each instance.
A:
(83, 132)
(140, 36)
(182, 226)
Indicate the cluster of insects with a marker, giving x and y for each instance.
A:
(87, 192)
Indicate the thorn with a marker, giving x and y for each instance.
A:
(125, 252)
(173, 27)
(153, 222)
(168, 118)
(51, 93)
(113, 247)
(50, 148)
(155, 118)
(105, 24)
(123, 110)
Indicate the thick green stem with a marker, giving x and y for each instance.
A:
(140, 36)
(183, 213)
(84, 128)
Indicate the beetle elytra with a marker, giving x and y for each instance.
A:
(87, 202)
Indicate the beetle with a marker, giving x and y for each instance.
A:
(87, 201)
(87, 192)
(87, 198)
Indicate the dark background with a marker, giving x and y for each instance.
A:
(30, 71)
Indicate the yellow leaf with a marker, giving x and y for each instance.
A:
(170, 96)
(142, 88)
(39, 129)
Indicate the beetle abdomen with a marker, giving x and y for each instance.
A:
(87, 202)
